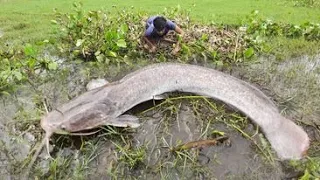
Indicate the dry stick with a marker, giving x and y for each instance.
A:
(201, 143)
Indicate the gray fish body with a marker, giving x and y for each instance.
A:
(106, 105)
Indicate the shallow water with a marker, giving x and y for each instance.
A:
(293, 84)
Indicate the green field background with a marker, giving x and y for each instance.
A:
(30, 19)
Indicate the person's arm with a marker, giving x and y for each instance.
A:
(146, 37)
(180, 36)
(179, 30)
(151, 45)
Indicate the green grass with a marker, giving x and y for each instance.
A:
(24, 21)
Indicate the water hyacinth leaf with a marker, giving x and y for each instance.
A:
(121, 43)
(5, 61)
(29, 50)
(5, 93)
(52, 65)
(107, 60)
(97, 53)
(111, 54)
(249, 52)
(17, 75)
(110, 35)
(54, 22)
(219, 63)
(204, 37)
(214, 54)
(32, 63)
(4, 74)
(306, 175)
(124, 28)
(79, 42)
(100, 57)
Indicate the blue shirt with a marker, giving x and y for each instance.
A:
(150, 30)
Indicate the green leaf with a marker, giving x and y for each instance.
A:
(31, 62)
(18, 75)
(112, 54)
(54, 22)
(221, 133)
(100, 57)
(5, 93)
(79, 42)
(219, 63)
(124, 28)
(249, 52)
(204, 37)
(121, 43)
(97, 53)
(306, 175)
(52, 65)
(29, 50)
(110, 35)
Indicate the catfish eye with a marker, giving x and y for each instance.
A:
(63, 127)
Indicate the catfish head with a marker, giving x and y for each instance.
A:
(86, 116)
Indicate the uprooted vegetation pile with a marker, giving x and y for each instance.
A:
(100, 36)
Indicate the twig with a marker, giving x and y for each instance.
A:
(235, 49)
(45, 105)
(201, 143)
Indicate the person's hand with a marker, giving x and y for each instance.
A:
(176, 50)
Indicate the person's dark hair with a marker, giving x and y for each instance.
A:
(159, 23)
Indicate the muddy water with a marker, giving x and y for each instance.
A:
(294, 85)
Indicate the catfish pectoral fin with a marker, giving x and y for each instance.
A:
(124, 121)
